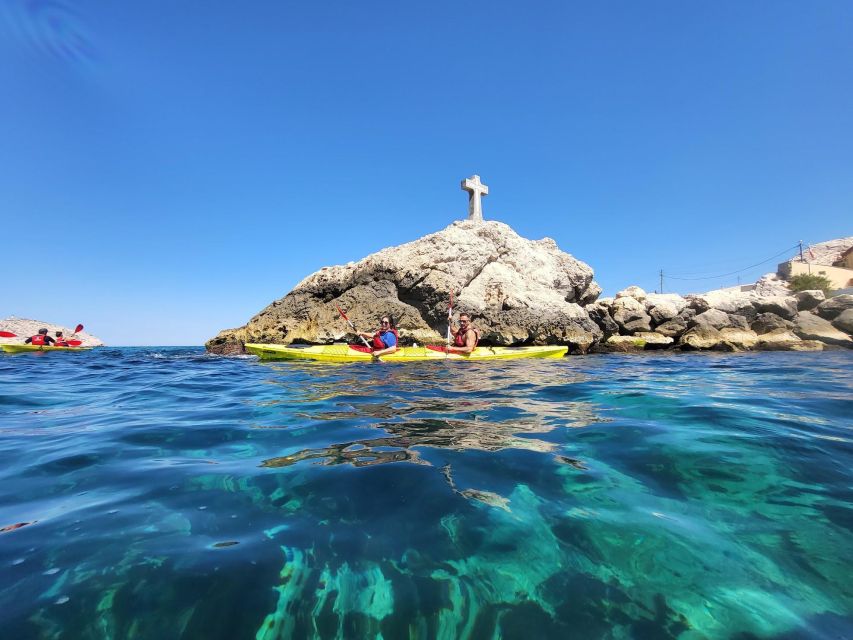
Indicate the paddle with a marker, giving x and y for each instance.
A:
(75, 343)
(449, 319)
(344, 316)
(8, 334)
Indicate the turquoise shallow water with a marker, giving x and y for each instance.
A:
(164, 493)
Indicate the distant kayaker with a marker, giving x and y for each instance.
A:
(466, 337)
(386, 339)
(41, 339)
(60, 340)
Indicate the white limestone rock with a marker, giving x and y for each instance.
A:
(713, 318)
(630, 314)
(518, 290)
(632, 292)
(700, 338)
(739, 339)
(24, 328)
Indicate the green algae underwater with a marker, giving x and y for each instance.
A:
(164, 493)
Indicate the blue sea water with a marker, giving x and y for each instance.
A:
(165, 493)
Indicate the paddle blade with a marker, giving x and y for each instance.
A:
(342, 313)
(7, 334)
(79, 328)
(74, 343)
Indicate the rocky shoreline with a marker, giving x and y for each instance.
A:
(23, 328)
(636, 321)
(528, 292)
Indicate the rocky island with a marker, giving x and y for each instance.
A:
(529, 292)
(23, 328)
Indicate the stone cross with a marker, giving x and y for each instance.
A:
(475, 190)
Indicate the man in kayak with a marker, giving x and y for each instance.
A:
(466, 337)
(385, 340)
(41, 339)
(60, 340)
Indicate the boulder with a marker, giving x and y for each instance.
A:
(739, 339)
(700, 337)
(655, 299)
(730, 301)
(844, 321)
(632, 292)
(784, 307)
(672, 328)
(808, 300)
(630, 314)
(662, 312)
(767, 322)
(811, 327)
(518, 291)
(698, 303)
(777, 340)
(654, 340)
(713, 318)
(738, 322)
(600, 315)
(832, 308)
(624, 344)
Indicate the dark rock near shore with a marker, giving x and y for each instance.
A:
(832, 308)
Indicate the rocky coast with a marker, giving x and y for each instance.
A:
(23, 328)
(529, 292)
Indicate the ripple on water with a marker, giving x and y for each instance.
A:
(672, 495)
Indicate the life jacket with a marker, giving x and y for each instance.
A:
(459, 339)
(379, 344)
(61, 342)
(38, 340)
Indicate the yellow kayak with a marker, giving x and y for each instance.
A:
(25, 348)
(357, 353)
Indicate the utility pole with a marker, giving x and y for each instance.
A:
(661, 280)
(802, 259)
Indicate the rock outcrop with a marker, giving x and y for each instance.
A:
(519, 291)
(24, 328)
(724, 320)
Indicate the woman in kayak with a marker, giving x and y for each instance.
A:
(386, 339)
(41, 339)
(466, 337)
(60, 340)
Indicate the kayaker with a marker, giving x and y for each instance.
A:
(41, 339)
(60, 340)
(466, 337)
(386, 339)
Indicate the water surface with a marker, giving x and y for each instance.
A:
(164, 493)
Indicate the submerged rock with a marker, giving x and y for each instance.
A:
(519, 291)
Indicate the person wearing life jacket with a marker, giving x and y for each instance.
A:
(386, 339)
(466, 337)
(41, 339)
(60, 340)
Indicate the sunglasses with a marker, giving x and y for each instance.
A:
(384, 322)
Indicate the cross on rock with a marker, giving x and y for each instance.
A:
(475, 190)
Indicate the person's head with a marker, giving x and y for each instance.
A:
(464, 319)
(386, 322)
(58, 334)
(42, 332)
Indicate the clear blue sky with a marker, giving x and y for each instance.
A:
(167, 168)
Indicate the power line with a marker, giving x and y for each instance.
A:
(731, 273)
